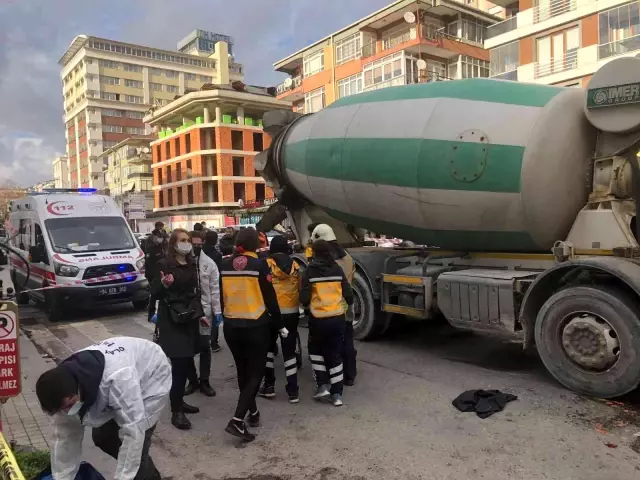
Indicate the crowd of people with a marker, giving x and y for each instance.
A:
(118, 386)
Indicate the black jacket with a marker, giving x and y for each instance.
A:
(177, 340)
(87, 368)
(321, 268)
(212, 252)
(153, 254)
(226, 243)
(272, 314)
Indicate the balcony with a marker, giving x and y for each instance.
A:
(511, 74)
(557, 65)
(283, 87)
(619, 47)
(235, 68)
(398, 38)
(505, 26)
(553, 9)
(369, 50)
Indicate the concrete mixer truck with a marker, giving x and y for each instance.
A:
(523, 195)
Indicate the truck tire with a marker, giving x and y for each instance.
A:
(589, 339)
(368, 321)
(53, 307)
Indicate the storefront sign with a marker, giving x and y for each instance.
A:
(229, 221)
(614, 95)
(10, 380)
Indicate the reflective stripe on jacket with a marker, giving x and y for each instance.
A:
(326, 297)
(286, 285)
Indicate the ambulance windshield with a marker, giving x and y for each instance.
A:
(89, 234)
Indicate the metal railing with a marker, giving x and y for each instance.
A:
(235, 68)
(505, 26)
(282, 88)
(553, 9)
(556, 65)
(369, 50)
(619, 47)
(431, 31)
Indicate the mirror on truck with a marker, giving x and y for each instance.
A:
(38, 254)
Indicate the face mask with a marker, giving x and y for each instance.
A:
(183, 248)
(197, 250)
(75, 409)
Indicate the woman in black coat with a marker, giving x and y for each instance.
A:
(179, 315)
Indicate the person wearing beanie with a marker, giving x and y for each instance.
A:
(285, 275)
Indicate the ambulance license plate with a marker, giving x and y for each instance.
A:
(103, 292)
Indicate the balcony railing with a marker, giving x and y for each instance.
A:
(553, 9)
(505, 26)
(396, 39)
(369, 50)
(619, 47)
(295, 83)
(432, 32)
(556, 65)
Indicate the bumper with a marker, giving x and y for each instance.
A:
(101, 295)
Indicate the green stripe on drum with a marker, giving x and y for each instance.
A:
(417, 163)
(466, 241)
(471, 89)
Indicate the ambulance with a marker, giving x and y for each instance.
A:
(79, 250)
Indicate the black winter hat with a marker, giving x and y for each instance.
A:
(279, 244)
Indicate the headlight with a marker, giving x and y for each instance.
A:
(66, 270)
(140, 265)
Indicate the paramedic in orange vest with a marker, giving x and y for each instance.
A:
(324, 290)
(308, 251)
(342, 258)
(250, 311)
(285, 276)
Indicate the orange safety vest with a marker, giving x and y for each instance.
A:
(326, 297)
(286, 285)
(241, 293)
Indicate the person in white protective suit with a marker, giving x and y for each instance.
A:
(119, 387)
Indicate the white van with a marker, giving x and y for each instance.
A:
(80, 244)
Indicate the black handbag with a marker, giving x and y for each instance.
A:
(184, 311)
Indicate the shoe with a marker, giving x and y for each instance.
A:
(215, 347)
(180, 421)
(294, 398)
(191, 387)
(349, 383)
(336, 399)
(189, 409)
(239, 429)
(321, 392)
(253, 420)
(206, 389)
(267, 391)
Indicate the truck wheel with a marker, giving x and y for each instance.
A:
(367, 321)
(52, 307)
(589, 339)
(21, 298)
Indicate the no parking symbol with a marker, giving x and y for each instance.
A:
(10, 378)
(7, 325)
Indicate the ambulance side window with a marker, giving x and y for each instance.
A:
(25, 234)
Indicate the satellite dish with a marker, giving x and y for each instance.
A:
(410, 17)
(288, 82)
(145, 150)
(421, 64)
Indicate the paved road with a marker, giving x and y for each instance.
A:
(397, 422)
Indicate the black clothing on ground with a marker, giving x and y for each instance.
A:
(107, 439)
(177, 340)
(349, 354)
(87, 368)
(484, 402)
(205, 362)
(325, 351)
(249, 347)
(180, 368)
(288, 355)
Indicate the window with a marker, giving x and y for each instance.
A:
(133, 99)
(314, 63)
(557, 52)
(129, 67)
(257, 142)
(504, 59)
(187, 142)
(236, 140)
(133, 83)
(348, 48)
(190, 76)
(132, 114)
(383, 70)
(172, 89)
(474, 68)
(170, 198)
(168, 171)
(260, 192)
(183, 59)
(106, 144)
(238, 191)
(112, 128)
(109, 112)
(89, 234)
(179, 196)
(167, 150)
(350, 86)
(190, 194)
(156, 71)
(171, 74)
(135, 130)
(109, 96)
(158, 87)
(161, 198)
(206, 79)
(314, 101)
(619, 30)
(176, 146)
(238, 166)
(473, 29)
(108, 64)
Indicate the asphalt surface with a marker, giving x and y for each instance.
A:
(397, 422)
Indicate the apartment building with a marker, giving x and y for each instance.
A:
(128, 171)
(407, 42)
(203, 155)
(108, 86)
(61, 171)
(558, 42)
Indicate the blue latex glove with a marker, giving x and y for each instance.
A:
(154, 319)
(218, 319)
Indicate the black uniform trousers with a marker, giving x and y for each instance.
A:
(107, 439)
(288, 353)
(326, 338)
(249, 347)
(205, 361)
(180, 368)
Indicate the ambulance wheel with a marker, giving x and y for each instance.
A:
(140, 304)
(368, 322)
(21, 298)
(52, 307)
